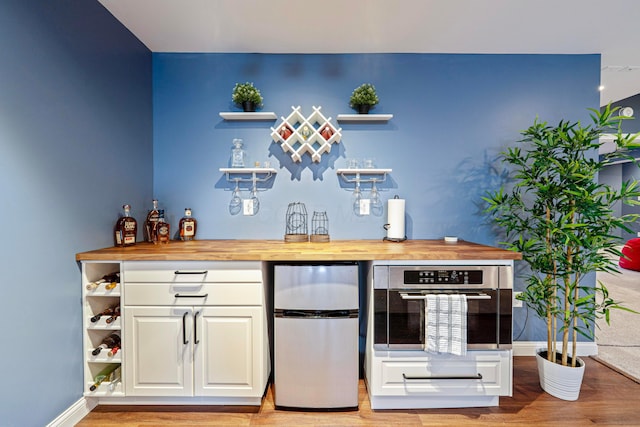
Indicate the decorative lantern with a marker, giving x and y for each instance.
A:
(319, 227)
(297, 227)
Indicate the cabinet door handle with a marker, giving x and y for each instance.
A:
(443, 377)
(190, 272)
(195, 328)
(184, 328)
(191, 296)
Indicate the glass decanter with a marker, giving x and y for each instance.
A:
(238, 154)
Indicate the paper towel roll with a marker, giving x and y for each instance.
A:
(395, 219)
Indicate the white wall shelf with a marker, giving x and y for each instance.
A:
(240, 174)
(363, 175)
(364, 117)
(237, 115)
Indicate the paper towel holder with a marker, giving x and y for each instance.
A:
(393, 239)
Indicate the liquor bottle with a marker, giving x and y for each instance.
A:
(114, 316)
(111, 279)
(106, 312)
(109, 341)
(188, 226)
(104, 375)
(126, 228)
(161, 229)
(152, 218)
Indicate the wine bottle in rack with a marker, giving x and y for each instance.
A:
(111, 280)
(114, 350)
(116, 377)
(114, 316)
(110, 341)
(104, 375)
(106, 312)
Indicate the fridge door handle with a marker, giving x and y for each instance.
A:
(317, 314)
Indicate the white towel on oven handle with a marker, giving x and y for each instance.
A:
(446, 324)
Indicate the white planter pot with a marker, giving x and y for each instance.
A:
(563, 382)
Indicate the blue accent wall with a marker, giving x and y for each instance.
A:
(452, 114)
(75, 145)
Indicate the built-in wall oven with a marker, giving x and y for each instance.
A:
(400, 293)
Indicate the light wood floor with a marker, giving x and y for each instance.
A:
(606, 398)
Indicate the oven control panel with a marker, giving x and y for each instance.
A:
(444, 277)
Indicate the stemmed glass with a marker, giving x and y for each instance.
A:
(376, 202)
(356, 198)
(254, 199)
(235, 205)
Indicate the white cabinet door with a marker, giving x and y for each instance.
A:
(227, 348)
(158, 356)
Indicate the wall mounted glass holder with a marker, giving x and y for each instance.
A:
(363, 175)
(256, 174)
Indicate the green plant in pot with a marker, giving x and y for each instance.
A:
(562, 221)
(247, 96)
(363, 98)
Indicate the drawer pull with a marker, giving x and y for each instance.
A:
(191, 296)
(184, 328)
(195, 328)
(190, 272)
(443, 377)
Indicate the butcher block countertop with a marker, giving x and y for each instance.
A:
(279, 250)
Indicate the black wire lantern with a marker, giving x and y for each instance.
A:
(297, 229)
(319, 227)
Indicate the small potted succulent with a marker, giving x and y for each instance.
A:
(363, 98)
(246, 95)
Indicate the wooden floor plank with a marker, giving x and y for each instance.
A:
(607, 398)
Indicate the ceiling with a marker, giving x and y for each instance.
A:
(404, 26)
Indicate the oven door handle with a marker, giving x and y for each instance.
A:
(420, 296)
(443, 377)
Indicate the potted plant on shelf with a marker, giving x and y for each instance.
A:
(562, 221)
(247, 96)
(363, 98)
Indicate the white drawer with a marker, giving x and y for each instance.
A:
(193, 294)
(192, 271)
(448, 375)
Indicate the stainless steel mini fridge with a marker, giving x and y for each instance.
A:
(316, 336)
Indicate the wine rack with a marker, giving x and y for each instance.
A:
(298, 134)
(95, 301)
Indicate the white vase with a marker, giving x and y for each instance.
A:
(563, 382)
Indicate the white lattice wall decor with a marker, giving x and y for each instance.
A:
(298, 135)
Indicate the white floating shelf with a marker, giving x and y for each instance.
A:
(364, 117)
(363, 171)
(248, 170)
(237, 115)
(363, 175)
(257, 174)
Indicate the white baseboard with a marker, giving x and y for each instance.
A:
(529, 348)
(74, 413)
